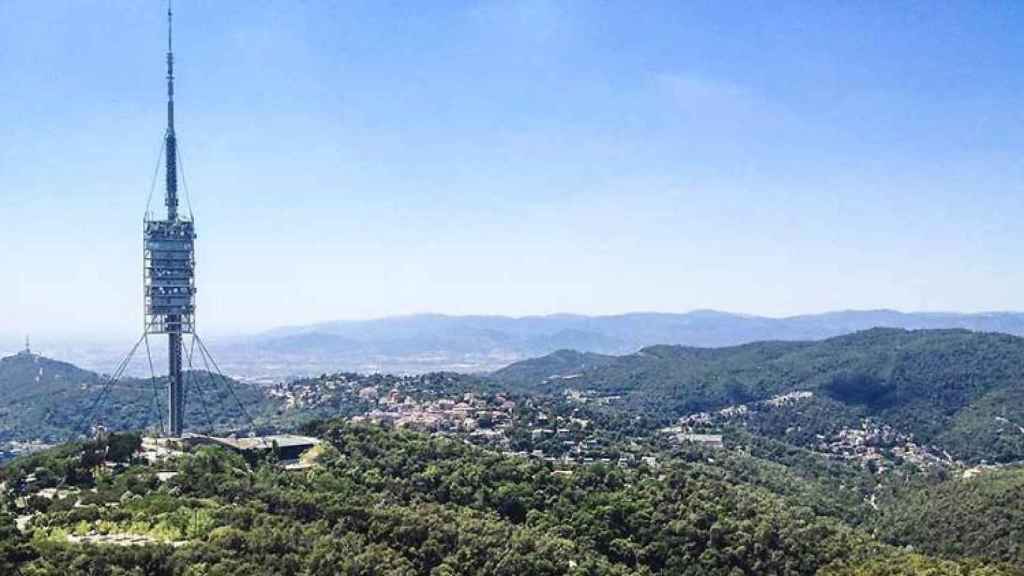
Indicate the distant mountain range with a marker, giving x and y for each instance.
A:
(427, 342)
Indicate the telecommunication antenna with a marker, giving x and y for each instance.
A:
(169, 287)
(169, 265)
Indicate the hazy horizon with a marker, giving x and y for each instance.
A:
(12, 341)
(516, 158)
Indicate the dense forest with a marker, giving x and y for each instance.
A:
(379, 501)
(980, 517)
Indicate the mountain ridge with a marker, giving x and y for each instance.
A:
(481, 343)
(422, 343)
(957, 389)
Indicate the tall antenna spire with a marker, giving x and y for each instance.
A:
(171, 142)
(182, 278)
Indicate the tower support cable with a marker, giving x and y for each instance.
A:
(111, 380)
(231, 389)
(156, 385)
(194, 385)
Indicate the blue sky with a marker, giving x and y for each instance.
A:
(361, 159)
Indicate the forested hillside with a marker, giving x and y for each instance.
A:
(956, 389)
(981, 517)
(51, 401)
(380, 502)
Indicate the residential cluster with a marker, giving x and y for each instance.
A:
(485, 417)
(366, 391)
(443, 404)
(877, 446)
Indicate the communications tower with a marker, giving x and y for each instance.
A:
(169, 293)
(169, 266)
